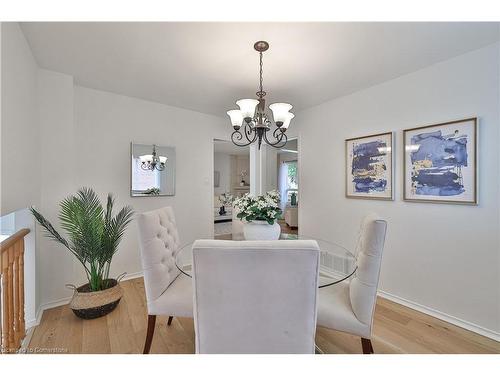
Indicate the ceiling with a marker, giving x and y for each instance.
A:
(207, 66)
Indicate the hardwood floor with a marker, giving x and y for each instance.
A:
(397, 329)
(287, 229)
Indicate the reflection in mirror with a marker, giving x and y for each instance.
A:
(152, 170)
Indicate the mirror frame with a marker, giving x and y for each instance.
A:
(130, 171)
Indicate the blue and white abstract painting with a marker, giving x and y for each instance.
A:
(369, 166)
(440, 162)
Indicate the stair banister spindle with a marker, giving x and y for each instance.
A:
(12, 324)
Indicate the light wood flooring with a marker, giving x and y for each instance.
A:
(397, 329)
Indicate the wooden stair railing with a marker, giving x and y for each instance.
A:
(12, 327)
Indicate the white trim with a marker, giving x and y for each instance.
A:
(443, 316)
(64, 301)
(46, 306)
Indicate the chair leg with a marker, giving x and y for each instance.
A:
(367, 346)
(149, 334)
(169, 320)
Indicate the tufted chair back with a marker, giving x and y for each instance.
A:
(363, 287)
(159, 243)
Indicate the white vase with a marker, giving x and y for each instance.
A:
(261, 230)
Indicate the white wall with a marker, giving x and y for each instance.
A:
(106, 123)
(20, 149)
(57, 137)
(222, 163)
(271, 161)
(263, 173)
(58, 167)
(86, 142)
(19, 133)
(444, 257)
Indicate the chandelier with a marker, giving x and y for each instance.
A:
(152, 162)
(253, 123)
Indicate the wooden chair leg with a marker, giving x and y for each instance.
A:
(169, 320)
(149, 334)
(367, 346)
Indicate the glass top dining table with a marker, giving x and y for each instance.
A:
(336, 262)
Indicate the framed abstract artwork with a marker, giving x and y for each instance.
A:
(440, 163)
(370, 167)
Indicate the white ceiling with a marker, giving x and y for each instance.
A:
(207, 66)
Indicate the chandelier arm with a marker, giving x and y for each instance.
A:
(248, 132)
(236, 136)
(279, 138)
(279, 132)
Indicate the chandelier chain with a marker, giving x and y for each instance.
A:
(261, 70)
(261, 93)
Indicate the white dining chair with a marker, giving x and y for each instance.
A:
(350, 305)
(168, 291)
(255, 296)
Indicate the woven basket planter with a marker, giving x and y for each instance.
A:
(90, 305)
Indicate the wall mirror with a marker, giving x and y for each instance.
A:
(152, 170)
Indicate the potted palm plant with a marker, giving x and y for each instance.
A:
(93, 238)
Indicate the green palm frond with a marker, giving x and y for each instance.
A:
(94, 234)
(49, 229)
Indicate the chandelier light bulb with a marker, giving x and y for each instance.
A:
(286, 123)
(247, 108)
(146, 158)
(236, 118)
(280, 112)
(163, 159)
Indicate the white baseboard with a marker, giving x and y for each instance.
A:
(443, 316)
(46, 306)
(65, 301)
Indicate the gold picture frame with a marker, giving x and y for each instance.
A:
(470, 178)
(388, 194)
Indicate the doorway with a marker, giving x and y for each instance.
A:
(236, 172)
(231, 180)
(288, 186)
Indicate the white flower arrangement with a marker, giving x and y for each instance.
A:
(263, 207)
